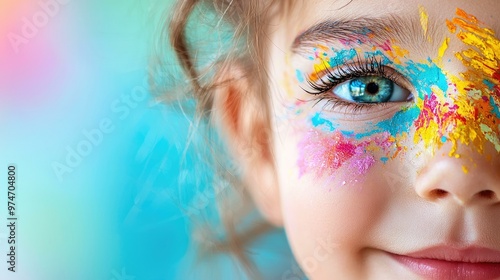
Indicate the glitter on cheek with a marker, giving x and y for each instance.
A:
(325, 152)
(362, 162)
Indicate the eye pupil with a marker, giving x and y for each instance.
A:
(372, 88)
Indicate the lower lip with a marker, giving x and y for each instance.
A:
(446, 270)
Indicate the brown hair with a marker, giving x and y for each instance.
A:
(248, 21)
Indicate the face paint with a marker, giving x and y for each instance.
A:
(325, 153)
(325, 149)
(460, 109)
(424, 19)
(469, 115)
(442, 49)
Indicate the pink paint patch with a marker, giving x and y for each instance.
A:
(362, 162)
(325, 153)
(386, 46)
(442, 114)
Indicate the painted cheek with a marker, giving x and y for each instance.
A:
(324, 154)
(324, 150)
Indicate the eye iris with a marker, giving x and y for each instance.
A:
(371, 89)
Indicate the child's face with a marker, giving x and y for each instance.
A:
(386, 127)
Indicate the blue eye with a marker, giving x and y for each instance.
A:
(371, 89)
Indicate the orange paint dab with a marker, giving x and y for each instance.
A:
(451, 26)
(461, 13)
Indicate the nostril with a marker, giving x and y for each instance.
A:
(438, 193)
(488, 194)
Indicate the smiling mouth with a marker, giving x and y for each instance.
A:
(446, 263)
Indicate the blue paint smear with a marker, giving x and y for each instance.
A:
(300, 76)
(342, 57)
(495, 109)
(384, 159)
(369, 133)
(347, 133)
(317, 120)
(380, 57)
(365, 31)
(401, 122)
(444, 139)
(424, 76)
(489, 84)
(397, 125)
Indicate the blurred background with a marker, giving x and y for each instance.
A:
(101, 166)
(97, 158)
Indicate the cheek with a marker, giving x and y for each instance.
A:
(324, 154)
(335, 212)
(327, 208)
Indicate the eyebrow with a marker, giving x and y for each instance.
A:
(401, 29)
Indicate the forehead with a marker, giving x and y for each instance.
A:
(306, 14)
(306, 24)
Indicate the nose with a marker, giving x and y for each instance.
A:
(470, 179)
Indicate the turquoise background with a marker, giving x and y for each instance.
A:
(112, 213)
(100, 168)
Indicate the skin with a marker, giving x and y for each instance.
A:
(339, 228)
(343, 221)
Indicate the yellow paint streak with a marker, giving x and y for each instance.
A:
(465, 169)
(323, 48)
(319, 69)
(473, 121)
(424, 19)
(395, 53)
(480, 41)
(287, 80)
(398, 51)
(443, 48)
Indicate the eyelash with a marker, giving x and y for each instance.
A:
(357, 68)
